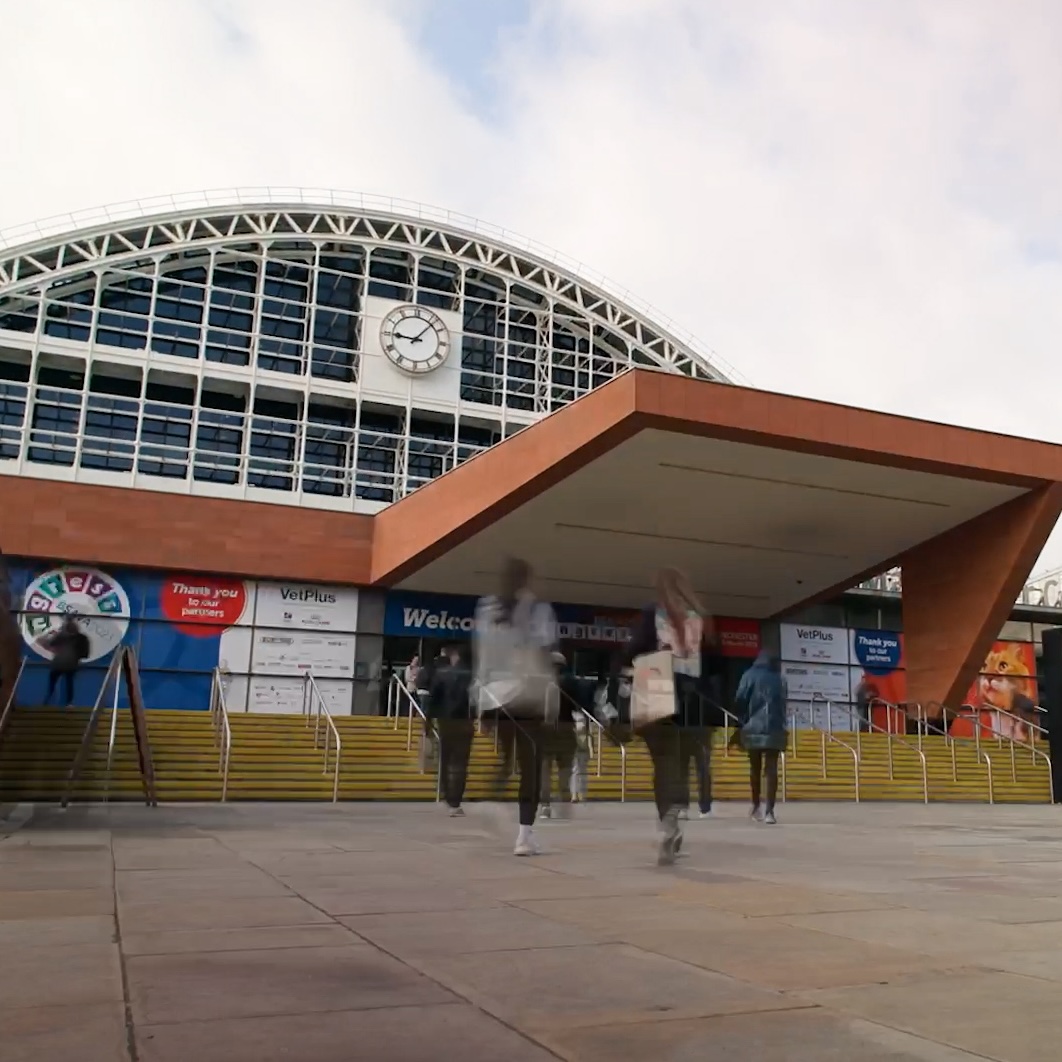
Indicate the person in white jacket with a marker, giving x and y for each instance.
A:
(515, 634)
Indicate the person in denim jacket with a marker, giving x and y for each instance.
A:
(760, 705)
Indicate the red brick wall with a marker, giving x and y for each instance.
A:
(115, 526)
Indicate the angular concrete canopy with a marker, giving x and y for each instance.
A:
(767, 500)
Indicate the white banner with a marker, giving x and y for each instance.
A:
(287, 652)
(807, 715)
(275, 696)
(306, 606)
(819, 645)
(807, 681)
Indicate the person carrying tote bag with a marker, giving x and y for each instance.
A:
(665, 654)
(515, 635)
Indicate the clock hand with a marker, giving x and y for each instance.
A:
(421, 332)
(409, 339)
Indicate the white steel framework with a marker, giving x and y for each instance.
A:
(219, 347)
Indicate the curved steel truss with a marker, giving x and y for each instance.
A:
(39, 264)
(228, 349)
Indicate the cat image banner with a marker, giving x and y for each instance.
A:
(1006, 684)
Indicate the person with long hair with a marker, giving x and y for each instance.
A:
(675, 622)
(515, 634)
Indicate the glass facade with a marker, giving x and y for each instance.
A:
(238, 366)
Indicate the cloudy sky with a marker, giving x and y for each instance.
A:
(854, 201)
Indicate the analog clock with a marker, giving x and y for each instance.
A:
(415, 339)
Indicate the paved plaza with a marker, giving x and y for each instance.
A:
(382, 932)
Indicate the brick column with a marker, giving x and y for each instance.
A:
(959, 589)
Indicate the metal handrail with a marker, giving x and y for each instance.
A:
(310, 690)
(1029, 747)
(414, 704)
(9, 706)
(982, 755)
(121, 652)
(112, 673)
(603, 732)
(219, 718)
(827, 736)
(395, 687)
(873, 728)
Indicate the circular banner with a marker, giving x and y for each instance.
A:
(95, 598)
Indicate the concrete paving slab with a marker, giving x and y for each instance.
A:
(788, 1036)
(601, 984)
(995, 1015)
(195, 940)
(612, 917)
(16, 878)
(784, 958)
(237, 883)
(408, 899)
(236, 984)
(54, 903)
(893, 924)
(176, 854)
(757, 898)
(933, 933)
(464, 932)
(216, 913)
(32, 976)
(56, 932)
(391, 1035)
(90, 1033)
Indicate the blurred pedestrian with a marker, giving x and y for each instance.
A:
(449, 710)
(68, 647)
(673, 623)
(515, 681)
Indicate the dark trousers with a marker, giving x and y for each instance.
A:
(764, 762)
(527, 737)
(695, 743)
(67, 679)
(455, 749)
(559, 747)
(662, 739)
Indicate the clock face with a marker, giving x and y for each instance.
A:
(415, 339)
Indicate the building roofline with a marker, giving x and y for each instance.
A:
(47, 232)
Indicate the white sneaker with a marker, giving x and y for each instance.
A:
(526, 845)
(545, 812)
(707, 814)
(769, 819)
(457, 813)
(756, 814)
(684, 813)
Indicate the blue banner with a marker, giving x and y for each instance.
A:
(411, 614)
(415, 615)
(877, 652)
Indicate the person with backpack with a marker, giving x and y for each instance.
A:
(760, 705)
(515, 635)
(68, 647)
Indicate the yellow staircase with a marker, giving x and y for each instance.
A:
(274, 758)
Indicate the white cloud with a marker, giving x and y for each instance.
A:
(856, 202)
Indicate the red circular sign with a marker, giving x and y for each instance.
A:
(202, 607)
